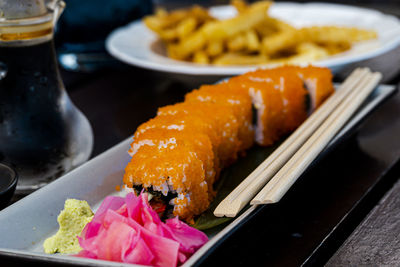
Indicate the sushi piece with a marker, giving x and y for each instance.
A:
(173, 158)
(279, 101)
(233, 96)
(195, 141)
(184, 123)
(318, 82)
(174, 170)
(221, 120)
(174, 154)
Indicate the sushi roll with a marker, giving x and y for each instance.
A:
(178, 155)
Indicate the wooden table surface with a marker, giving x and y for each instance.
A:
(376, 241)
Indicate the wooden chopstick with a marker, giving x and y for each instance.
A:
(286, 176)
(243, 193)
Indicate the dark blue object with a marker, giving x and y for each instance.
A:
(8, 183)
(84, 25)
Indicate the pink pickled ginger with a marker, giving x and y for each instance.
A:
(129, 230)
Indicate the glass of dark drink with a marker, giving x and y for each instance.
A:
(42, 134)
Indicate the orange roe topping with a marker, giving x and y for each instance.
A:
(318, 81)
(231, 95)
(184, 124)
(221, 121)
(195, 141)
(294, 96)
(267, 100)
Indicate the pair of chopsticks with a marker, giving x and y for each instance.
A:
(273, 177)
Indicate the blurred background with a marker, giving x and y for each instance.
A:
(388, 6)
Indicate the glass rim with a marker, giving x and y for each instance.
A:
(14, 177)
(47, 17)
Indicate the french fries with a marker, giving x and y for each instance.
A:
(215, 48)
(251, 37)
(240, 59)
(219, 31)
(177, 25)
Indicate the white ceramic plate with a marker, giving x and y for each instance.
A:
(27, 223)
(135, 44)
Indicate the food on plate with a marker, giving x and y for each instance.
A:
(127, 229)
(176, 159)
(177, 24)
(178, 155)
(72, 219)
(250, 37)
(220, 30)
